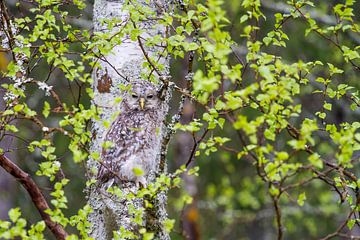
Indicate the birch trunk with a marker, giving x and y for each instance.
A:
(112, 215)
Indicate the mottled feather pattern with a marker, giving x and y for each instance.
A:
(134, 135)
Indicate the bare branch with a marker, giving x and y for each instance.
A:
(36, 195)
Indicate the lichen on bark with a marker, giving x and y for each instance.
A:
(111, 213)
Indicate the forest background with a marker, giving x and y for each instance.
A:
(269, 125)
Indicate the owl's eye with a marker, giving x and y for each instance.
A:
(150, 96)
(134, 96)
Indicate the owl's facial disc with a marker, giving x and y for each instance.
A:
(142, 98)
(139, 99)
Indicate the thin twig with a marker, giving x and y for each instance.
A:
(278, 217)
(193, 150)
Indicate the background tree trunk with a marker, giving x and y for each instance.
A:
(125, 62)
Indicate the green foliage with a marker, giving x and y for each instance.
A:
(16, 227)
(275, 126)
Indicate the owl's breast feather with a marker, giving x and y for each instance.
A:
(135, 142)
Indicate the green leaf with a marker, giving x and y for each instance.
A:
(220, 105)
(40, 226)
(148, 236)
(315, 160)
(321, 115)
(266, 73)
(301, 199)
(107, 144)
(18, 107)
(353, 106)
(349, 54)
(244, 18)
(328, 106)
(8, 112)
(269, 134)
(46, 109)
(95, 155)
(14, 214)
(138, 172)
(194, 171)
(11, 128)
(282, 156)
(168, 224)
(334, 70)
(350, 224)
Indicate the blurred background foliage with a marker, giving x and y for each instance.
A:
(230, 201)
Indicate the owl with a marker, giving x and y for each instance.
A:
(134, 137)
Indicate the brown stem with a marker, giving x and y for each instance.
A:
(36, 195)
(147, 56)
(327, 38)
(278, 217)
(340, 228)
(193, 151)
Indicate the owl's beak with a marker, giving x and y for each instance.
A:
(142, 103)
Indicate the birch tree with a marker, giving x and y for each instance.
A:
(130, 55)
(268, 105)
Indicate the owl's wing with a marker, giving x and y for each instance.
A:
(119, 134)
(110, 159)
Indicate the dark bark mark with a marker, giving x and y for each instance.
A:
(104, 84)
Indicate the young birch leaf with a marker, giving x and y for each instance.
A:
(46, 109)
(301, 199)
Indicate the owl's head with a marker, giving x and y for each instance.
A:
(142, 96)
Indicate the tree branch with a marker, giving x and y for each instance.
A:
(36, 195)
(314, 13)
(278, 217)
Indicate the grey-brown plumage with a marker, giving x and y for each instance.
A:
(135, 135)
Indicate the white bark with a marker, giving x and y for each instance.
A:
(125, 62)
